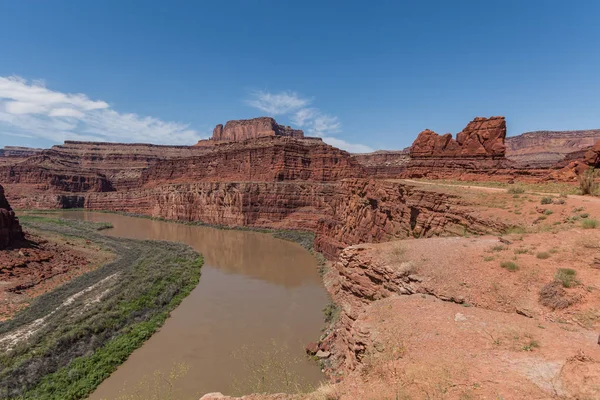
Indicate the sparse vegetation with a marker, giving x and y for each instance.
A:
(510, 266)
(546, 200)
(80, 341)
(331, 311)
(543, 255)
(516, 189)
(589, 224)
(548, 212)
(521, 250)
(499, 247)
(587, 182)
(566, 277)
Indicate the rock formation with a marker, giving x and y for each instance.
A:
(10, 229)
(543, 149)
(592, 155)
(243, 129)
(482, 137)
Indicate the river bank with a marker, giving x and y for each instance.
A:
(70, 339)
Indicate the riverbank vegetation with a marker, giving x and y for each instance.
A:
(70, 339)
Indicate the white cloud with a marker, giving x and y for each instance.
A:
(29, 109)
(276, 103)
(310, 119)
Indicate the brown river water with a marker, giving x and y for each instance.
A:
(257, 295)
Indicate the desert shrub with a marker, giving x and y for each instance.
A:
(546, 200)
(543, 255)
(587, 182)
(566, 277)
(331, 312)
(554, 296)
(521, 250)
(499, 247)
(589, 224)
(489, 258)
(510, 266)
(516, 189)
(548, 212)
(584, 215)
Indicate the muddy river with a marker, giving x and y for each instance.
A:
(258, 297)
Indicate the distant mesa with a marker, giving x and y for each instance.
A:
(244, 129)
(481, 138)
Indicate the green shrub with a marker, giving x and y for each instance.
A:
(510, 266)
(548, 212)
(543, 255)
(589, 224)
(546, 200)
(566, 276)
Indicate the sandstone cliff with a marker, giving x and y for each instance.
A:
(10, 229)
(543, 149)
(13, 154)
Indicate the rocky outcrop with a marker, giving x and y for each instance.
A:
(243, 129)
(481, 138)
(13, 154)
(592, 155)
(10, 229)
(371, 211)
(267, 159)
(543, 149)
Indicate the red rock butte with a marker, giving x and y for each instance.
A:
(243, 129)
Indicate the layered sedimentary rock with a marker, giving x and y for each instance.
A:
(243, 129)
(384, 163)
(13, 154)
(592, 155)
(543, 149)
(264, 159)
(121, 163)
(47, 173)
(10, 229)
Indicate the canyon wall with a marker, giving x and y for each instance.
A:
(265, 159)
(543, 149)
(10, 229)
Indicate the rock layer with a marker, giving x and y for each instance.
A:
(266, 159)
(10, 229)
(543, 149)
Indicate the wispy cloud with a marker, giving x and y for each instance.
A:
(29, 109)
(276, 103)
(301, 113)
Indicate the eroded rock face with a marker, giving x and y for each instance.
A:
(243, 129)
(10, 229)
(384, 163)
(481, 138)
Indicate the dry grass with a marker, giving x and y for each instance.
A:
(554, 296)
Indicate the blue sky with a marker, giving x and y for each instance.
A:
(363, 75)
